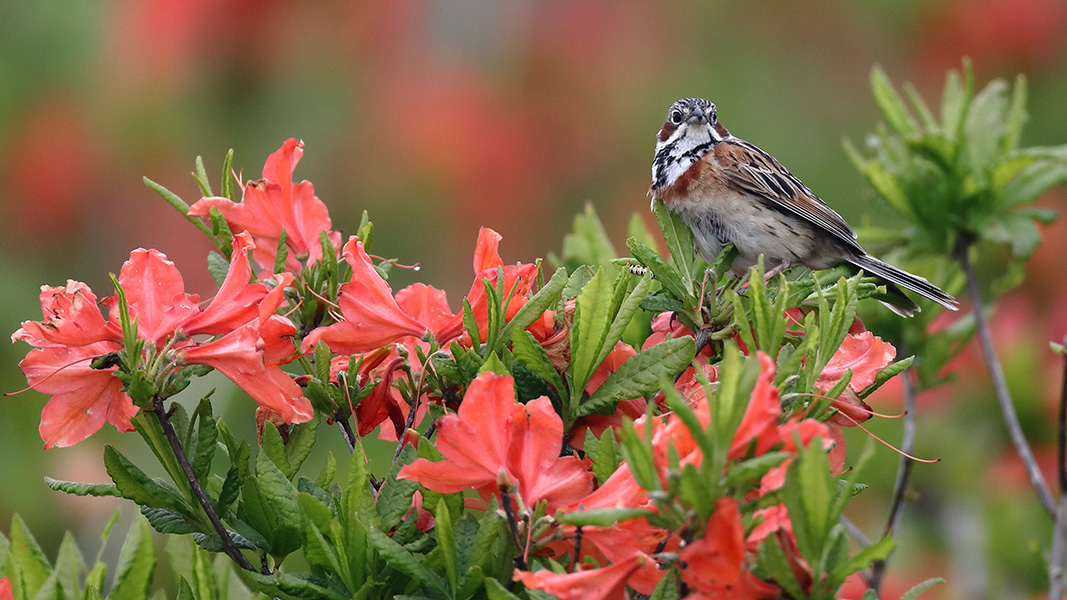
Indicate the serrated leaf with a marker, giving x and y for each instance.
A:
(82, 489)
(218, 267)
(861, 560)
(301, 441)
(773, 560)
(292, 585)
(446, 543)
(588, 243)
(679, 240)
(207, 437)
(669, 277)
(886, 374)
(26, 556)
(395, 496)
(168, 521)
(606, 455)
(280, 496)
(134, 485)
(592, 316)
(137, 561)
(641, 374)
(403, 561)
(273, 447)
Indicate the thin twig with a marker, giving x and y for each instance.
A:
(1000, 385)
(509, 512)
(856, 533)
(172, 436)
(346, 431)
(907, 445)
(1059, 530)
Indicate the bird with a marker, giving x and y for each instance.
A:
(729, 191)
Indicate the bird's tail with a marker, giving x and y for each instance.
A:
(917, 284)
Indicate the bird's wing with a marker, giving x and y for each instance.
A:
(749, 169)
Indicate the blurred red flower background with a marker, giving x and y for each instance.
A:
(440, 118)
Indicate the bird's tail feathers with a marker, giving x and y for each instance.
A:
(917, 284)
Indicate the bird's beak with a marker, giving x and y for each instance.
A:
(697, 116)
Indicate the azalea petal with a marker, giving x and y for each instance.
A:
(71, 317)
(237, 301)
(426, 304)
(238, 355)
(372, 318)
(533, 459)
(83, 398)
(761, 416)
(474, 441)
(155, 294)
(607, 583)
(865, 353)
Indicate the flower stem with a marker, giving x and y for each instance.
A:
(907, 445)
(1000, 385)
(1059, 530)
(205, 503)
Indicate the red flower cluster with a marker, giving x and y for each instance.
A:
(73, 335)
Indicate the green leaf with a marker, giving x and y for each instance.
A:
(891, 371)
(679, 240)
(292, 585)
(1034, 180)
(217, 266)
(602, 517)
(273, 447)
(892, 106)
(26, 558)
(200, 175)
(625, 313)
(301, 442)
(669, 277)
(446, 542)
(395, 496)
(280, 496)
(918, 589)
(592, 318)
(576, 281)
(489, 550)
(588, 243)
(955, 100)
(754, 468)
(525, 348)
(137, 561)
(227, 176)
(168, 521)
(69, 566)
(861, 560)
(641, 374)
(207, 437)
(497, 591)
(773, 560)
(606, 456)
(400, 559)
(281, 252)
(134, 485)
(178, 204)
(82, 489)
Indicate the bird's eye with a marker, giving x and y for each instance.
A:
(676, 117)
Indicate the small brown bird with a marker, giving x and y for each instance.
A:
(729, 191)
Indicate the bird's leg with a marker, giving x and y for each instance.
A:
(782, 266)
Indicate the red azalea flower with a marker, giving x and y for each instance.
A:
(517, 282)
(606, 583)
(83, 398)
(427, 305)
(71, 317)
(863, 352)
(715, 565)
(760, 423)
(274, 203)
(5, 590)
(372, 318)
(491, 432)
(239, 356)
